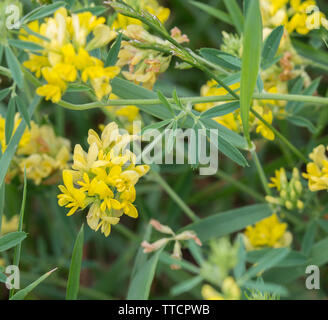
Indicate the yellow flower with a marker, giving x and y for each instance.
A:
(39, 151)
(269, 232)
(261, 127)
(106, 176)
(66, 57)
(230, 291)
(71, 197)
(317, 171)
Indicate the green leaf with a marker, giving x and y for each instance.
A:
(23, 110)
(73, 282)
(43, 11)
(196, 252)
(169, 260)
(21, 294)
(10, 240)
(250, 61)
(302, 122)
(186, 286)
(156, 125)
(235, 14)
(11, 148)
(140, 284)
(318, 253)
(221, 58)
(96, 10)
(10, 119)
(221, 224)
(2, 202)
(293, 259)
(4, 93)
(271, 46)
(220, 110)
(266, 287)
(269, 260)
(3, 277)
(25, 45)
(14, 67)
(309, 237)
(165, 102)
(216, 13)
(240, 267)
(112, 56)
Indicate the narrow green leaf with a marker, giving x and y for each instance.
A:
(216, 13)
(266, 287)
(21, 294)
(2, 202)
(112, 56)
(140, 284)
(43, 11)
(156, 125)
(271, 46)
(250, 61)
(185, 286)
(96, 10)
(240, 267)
(309, 237)
(4, 93)
(73, 282)
(10, 119)
(18, 248)
(23, 110)
(269, 260)
(14, 67)
(235, 13)
(164, 101)
(10, 240)
(225, 223)
(196, 252)
(302, 122)
(169, 260)
(25, 45)
(221, 58)
(3, 277)
(220, 110)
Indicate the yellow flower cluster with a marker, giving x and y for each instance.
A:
(230, 291)
(66, 56)
(317, 171)
(152, 6)
(40, 152)
(290, 192)
(103, 178)
(269, 232)
(233, 120)
(296, 15)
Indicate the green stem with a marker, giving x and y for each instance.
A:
(260, 171)
(280, 136)
(258, 96)
(175, 197)
(126, 232)
(240, 186)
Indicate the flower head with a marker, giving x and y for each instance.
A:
(66, 55)
(269, 232)
(103, 179)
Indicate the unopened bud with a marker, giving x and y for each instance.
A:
(160, 227)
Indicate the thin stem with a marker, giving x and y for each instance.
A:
(126, 232)
(280, 136)
(193, 100)
(260, 172)
(240, 186)
(175, 197)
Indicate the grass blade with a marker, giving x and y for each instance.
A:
(21, 294)
(250, 61)
(73, 283)
(14, 67)
(11, 240)
(235, 13)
